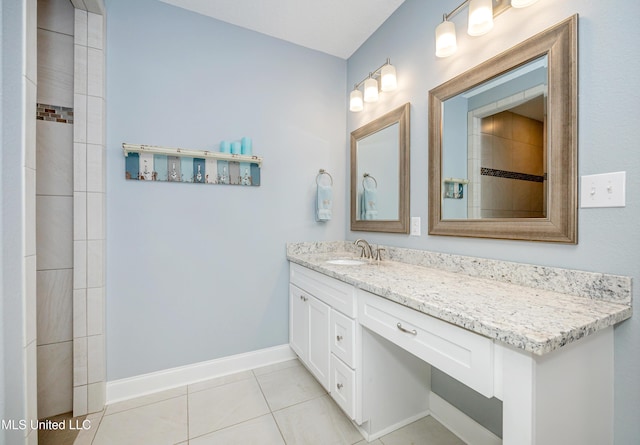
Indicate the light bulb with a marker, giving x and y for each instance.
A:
(388, 80)
(371, 90)
(480, 17)
(446, 43)
(355, 101)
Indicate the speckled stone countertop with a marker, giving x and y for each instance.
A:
(510, 302)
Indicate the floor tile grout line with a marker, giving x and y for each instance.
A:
(216, 386)
(278, 426)
(301, 402)
(140, 406)
(238, 423)
(269, 406)
(325, 392)
(280, 369)
(95, 433)
(229, 426)
(262, 392)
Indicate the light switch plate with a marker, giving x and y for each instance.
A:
(415, 226)
(603, 190)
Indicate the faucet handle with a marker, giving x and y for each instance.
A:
(362, 249)
(379, 251)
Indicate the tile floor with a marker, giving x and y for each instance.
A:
(278, 404)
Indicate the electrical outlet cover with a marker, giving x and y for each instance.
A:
(415, 226)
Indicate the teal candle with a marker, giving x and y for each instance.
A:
(247, 148)
(236, 147)
(225, 147)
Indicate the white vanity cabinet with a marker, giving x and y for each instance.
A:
(309, 332)
(322, 331)
(374, 356)
(328, 339)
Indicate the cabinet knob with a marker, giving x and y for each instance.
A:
(303, 298)
(339, 337)
(339, 385)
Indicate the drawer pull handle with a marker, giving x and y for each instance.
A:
(412, 331)
(339, 385)
(339, 337)
(303, 298)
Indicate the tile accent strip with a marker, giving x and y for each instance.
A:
(484, 171)
(54, 113)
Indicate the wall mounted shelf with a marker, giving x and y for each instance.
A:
(155, 163)
(170, 151)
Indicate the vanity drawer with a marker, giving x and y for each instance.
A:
(343, 337)
(464, 355)
(343, 386)
(335, 293)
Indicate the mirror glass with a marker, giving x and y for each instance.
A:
(380, 174)
(503, 144)
(493, 147)
(378, 170)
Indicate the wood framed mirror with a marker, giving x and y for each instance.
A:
(503, 144)
(380, 174)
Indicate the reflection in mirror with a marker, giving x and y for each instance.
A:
(503, 144)
(380, 174)
(502, 163)
(378, 168)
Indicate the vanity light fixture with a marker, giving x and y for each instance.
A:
(386, 75)
(480, 21)
(371, 89)
(480, 17)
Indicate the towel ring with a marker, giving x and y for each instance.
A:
(321, 172)
(367, 175)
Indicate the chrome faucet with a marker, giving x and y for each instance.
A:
(366, 248)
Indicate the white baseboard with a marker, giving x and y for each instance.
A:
(140, 385)
(378, 434)
(460, 424)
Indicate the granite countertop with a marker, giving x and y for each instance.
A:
(530, 318)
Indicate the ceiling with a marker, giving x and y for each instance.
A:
(336, 27)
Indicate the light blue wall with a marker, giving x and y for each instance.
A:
(609, 94)
(454, 161)
(198, 272)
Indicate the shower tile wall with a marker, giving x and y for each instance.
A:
(513, 167)
(54, 208)
(30, 82)
(89, 210)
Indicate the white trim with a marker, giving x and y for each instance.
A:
(140, 385)
(460, 424)
(390, 429)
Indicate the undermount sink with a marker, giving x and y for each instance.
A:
(346, 262)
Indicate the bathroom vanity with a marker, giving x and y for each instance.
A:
(539, 339)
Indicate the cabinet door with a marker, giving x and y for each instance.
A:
(299, 322)
(318, 359)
